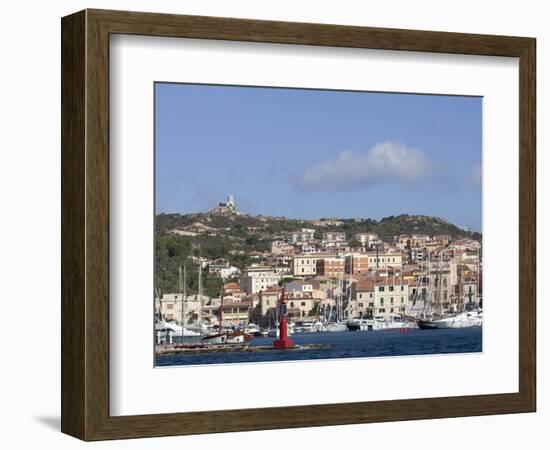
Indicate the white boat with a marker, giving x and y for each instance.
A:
(392, 322)
(334, 327)
(229, 337)
(359, 324)
(274, 332)
(318, 327)
(470, 316)
(309, 327)
(215, 339)
(336, 324)
(464, 319)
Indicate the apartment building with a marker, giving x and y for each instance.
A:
(304, 265)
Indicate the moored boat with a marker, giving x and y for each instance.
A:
(465, 319)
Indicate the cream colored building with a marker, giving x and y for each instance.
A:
(170, 307)
(304, 265)
(302, 235)
(300, 304)
(384, 298)
(366, 238)
(236, 312)
(357, 263)
(258, 278)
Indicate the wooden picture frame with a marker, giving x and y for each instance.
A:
(85, 224)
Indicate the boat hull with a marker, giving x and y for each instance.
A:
(463, 320)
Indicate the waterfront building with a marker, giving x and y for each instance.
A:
(269, 299)
(300, 304)
(236, 312)
(169, 306)
(383, 298)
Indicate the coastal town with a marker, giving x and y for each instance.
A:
(328, 280)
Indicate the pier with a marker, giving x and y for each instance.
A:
(229, 348)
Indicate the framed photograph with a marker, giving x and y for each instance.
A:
(273, 225)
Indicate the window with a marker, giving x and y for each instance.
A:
(169, 306)
(371, 305)
(303, 303)
(391, 300)
(381, 302)
(360, 305)
(370, 295)
(402, 299)
(391, 288)
(402, 288)
(381, 289)
(381, 310)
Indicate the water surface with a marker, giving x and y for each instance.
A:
(348, 344)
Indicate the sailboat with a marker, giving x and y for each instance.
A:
(198, 325)
(184, 332)
(338, 325)
(470, 316)
(224, 337)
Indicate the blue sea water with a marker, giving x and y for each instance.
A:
(350, 344)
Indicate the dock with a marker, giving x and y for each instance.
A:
(228, 348)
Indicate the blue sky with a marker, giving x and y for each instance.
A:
(316, 153)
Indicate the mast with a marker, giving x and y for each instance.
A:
(478, 275)
(429, 286)
(440, 283)
(460, 301)
(221, 309)
(374, 295)
(199, 315)
(160, 304)
(180, 289)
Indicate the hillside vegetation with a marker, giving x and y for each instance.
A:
(234, 237)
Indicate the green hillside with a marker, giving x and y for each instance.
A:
(234, 237)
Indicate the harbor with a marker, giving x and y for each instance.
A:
(317, 294)
(360, 344)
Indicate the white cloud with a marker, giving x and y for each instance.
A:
(351, 170)
(476, 176)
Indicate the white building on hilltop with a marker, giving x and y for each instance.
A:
(228, 207)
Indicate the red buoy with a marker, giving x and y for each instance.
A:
(284, 341)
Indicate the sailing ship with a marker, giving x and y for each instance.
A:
(336, 323)
(470, 315)
(378, 322)
(224, 337)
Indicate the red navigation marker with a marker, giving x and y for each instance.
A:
(284, 341)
